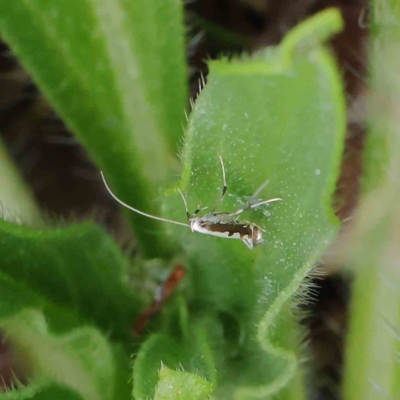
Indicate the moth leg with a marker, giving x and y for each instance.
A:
(224, 187)
(185, 204)
(251, 206)
(248, 242)
(198, 209)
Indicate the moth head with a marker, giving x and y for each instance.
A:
(194, 223)
(258, 237)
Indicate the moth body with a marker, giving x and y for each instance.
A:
(225, 226)
(221, 224)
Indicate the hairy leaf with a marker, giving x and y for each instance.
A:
(278, 120)
(115, 72)
(16, 201)
(81, 360)
(192, 355)
(41, 391)
(180, 385)
(76, 274)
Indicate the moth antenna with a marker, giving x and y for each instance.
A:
(254, 206)
(223, 171)
(185, 203)
(136, 210)
(224, 187)
(261, 188)
(265, 202)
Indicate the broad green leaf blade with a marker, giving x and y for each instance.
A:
(180, 385)
(162, 60)
(103, 65)
(81, 360)
(372, 368)
(191, 355)
(278, 116)
(76, 273)
(16, 200)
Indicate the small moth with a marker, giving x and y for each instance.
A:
(221, 224)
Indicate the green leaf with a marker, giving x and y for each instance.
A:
(162, 60)
(41, 391)
(192, 355)
(180, 385)
(74, 274)
(81, 360)
(276, 116)
(372, 368)
(16, 200)
(115, 72)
